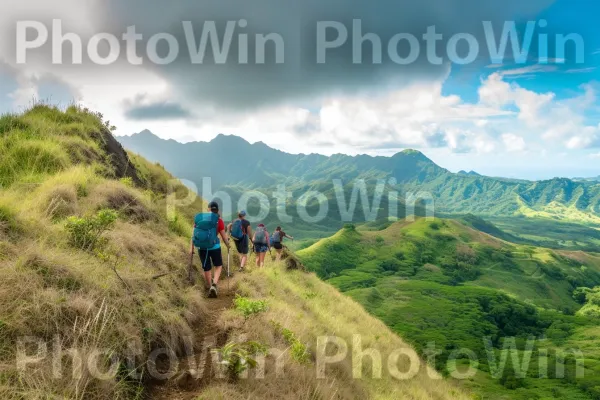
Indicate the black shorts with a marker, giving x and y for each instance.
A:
(242, 245)
(210, 258)
(278, 246)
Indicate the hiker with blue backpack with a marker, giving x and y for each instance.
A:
(277, 241)
(240, 231)
(261, 244)
(207, 228)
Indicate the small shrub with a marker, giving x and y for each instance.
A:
(249, 307)
(238, 357)
(86, 232)
(580, 294)
(127, 181)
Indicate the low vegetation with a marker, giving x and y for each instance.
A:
(440, 282)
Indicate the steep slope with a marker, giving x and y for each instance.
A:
(440, 282)
(85, 229)
(258, 166)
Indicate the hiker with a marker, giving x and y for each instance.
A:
(261, 244)
(241, 231)
(277, 241)
(207, 227)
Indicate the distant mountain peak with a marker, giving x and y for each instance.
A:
(470, 173)
(412, 152)
(229, 139)
(146, 133)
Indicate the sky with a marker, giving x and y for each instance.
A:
(531, 113)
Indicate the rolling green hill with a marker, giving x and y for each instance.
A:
(445, 283)
(232, 162)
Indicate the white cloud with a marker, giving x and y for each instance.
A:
(581, 70)
(513, 143)
(531, 69)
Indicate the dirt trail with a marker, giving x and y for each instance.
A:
(185, 385)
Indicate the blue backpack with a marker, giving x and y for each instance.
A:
(236, 230)
(205, 230)
(276, 237)
(261, 236)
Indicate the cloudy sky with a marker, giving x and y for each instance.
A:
(516, 117)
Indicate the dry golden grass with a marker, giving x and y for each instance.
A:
(117, 196)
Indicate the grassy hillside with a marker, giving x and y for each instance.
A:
(83, 229)
(298, 310)
(443, 282)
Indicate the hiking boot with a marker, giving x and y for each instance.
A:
(213, 292)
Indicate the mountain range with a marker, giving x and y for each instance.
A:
(231, 161)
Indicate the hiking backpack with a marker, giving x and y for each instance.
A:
(237, 231)
(205, 230)
(260, 237)
(276, 237)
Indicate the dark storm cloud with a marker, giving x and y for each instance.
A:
(245, 86)
(235, 87)
(159, 110)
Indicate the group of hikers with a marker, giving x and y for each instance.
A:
(209, 226)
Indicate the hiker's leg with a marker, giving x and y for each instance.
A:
(217, 274)
(217, 259)
(244, 252)
(207, 279)
(262, 259)
(278, 256)
(206, 267)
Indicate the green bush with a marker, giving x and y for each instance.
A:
(580, 294)
(249, 307)
(238, 357)
(85, 233)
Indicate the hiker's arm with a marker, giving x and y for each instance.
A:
(249, 233)
(225, 238)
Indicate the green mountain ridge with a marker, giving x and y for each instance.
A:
(257, 166)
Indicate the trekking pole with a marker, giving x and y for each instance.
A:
(191, 264)
(228, 262)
